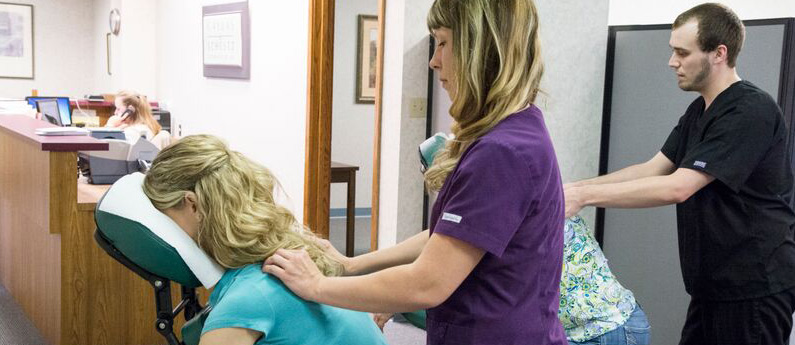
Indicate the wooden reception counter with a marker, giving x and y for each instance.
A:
(71, 290)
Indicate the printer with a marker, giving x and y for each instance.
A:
(163, 117)
(123, 157)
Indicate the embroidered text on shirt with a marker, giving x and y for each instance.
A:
(700, 164)
(451, 217)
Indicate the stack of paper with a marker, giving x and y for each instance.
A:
(16, 107)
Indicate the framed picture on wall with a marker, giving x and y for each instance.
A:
(16, 41)
(365, 62)
(226, 41)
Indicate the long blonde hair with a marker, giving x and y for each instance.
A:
(240, 221)
(142, 112)
(498, 68)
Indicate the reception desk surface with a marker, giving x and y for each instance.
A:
(23, 128)
(71, 290)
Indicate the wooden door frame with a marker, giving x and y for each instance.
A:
(317, 170)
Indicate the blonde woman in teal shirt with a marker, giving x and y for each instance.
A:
(225, 202)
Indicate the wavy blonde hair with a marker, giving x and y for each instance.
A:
(240, 221)
(142, 113)
(498, 68)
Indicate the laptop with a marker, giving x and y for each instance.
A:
(64, 107)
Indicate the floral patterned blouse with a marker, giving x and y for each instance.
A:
(592, 302)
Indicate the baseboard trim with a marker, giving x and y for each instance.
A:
(358, 212)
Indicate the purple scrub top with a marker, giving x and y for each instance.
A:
(505, 197)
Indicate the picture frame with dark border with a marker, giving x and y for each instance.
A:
(16, 41)
(226, 41)
(367, 45)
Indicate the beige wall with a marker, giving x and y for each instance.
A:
(63, 42)
(263, 117)
(626, 12)
(574, 39)
(353, 124)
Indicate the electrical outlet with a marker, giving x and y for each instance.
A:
(417, 107)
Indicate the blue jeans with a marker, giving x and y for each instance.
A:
(635, 331)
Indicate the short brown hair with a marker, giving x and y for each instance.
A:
(717, 24)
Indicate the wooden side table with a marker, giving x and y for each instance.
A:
(343, 173)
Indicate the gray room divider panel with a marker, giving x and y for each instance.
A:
(642, 104)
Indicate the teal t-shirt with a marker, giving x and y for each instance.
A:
(248, 298)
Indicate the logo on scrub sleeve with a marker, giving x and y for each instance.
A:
(700, 164)
(451, 217)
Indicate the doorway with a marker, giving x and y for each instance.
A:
(318, 172)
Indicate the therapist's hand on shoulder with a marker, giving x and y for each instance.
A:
(296, 270)
(333, 253)
(574, 204)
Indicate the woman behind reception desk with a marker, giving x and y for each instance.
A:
(133, 114)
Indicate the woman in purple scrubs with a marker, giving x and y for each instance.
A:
(488, 270)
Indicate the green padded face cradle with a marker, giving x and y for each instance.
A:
(149, 238)
(430, 147)
(416, 318)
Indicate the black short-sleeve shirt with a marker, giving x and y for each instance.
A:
(736, 233)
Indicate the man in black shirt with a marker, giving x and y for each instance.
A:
(726, 167)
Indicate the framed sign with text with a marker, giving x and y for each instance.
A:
(226, 41)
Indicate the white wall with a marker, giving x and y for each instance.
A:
(353, 124)
(62, 44)
(631, 12)
(138, 49)
(574, 40)
(104, 82)
(133, 53)
(405, 78)
(626, 12)
(574, 46)
(390, 124)
(264, 117)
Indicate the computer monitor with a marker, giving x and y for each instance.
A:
(49, 109)
(64, 109)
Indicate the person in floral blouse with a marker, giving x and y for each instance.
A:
(594, 307)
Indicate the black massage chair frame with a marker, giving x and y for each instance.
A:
(165, 315)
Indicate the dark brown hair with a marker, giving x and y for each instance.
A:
(717, 24)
